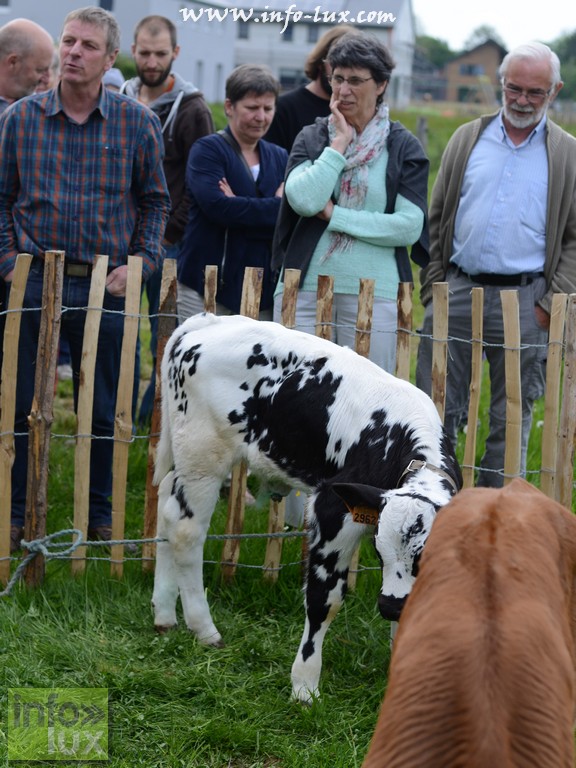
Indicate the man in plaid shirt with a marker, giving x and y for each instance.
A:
(81, 172)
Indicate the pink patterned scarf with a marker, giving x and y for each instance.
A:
(363, 150)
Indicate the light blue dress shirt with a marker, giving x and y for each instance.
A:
(500, 225)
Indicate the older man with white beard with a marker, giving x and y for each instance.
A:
(503, 216)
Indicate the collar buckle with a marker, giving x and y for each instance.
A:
(415, 464)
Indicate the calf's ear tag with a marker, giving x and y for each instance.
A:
(365, 515)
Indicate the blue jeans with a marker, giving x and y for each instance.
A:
(344, 317)
(74, 297)
(153, 285)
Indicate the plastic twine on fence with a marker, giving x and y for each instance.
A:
(47, 544)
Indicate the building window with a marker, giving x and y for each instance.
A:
(199, 79)
(313, 33)
(107, 5)
(288, 35)
(471, 69)
(242, 30)
(219, 81)
(290, 78)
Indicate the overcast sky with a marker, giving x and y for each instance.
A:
(516, 21)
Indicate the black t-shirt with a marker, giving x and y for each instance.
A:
(294, 110)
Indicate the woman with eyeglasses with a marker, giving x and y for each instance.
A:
(354, 200)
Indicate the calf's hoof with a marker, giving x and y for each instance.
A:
(162, 629)
(304, 696)
(214, 640)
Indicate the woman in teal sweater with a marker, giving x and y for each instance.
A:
(355, 197)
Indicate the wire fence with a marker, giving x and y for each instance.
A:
(555, 475)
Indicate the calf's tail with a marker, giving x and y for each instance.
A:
(164, 458)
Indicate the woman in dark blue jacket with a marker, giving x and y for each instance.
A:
(235, 183)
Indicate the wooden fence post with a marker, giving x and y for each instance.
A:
(552, 394)
(362, 347)
(210, 287)
(439, 346)
(277, 510)
(513, 441)
(123, 421)
(567, 427)
(325, 301)
(475, 386)
(41, 415)
(277, 513)
(273, 554)
(85, 404)
(404, 330)
(422, 132)
(249, 306)
(289, 297)
(364, 317)
(167, 322)
(8, 405)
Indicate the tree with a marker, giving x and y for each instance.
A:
(436, 51)
(568, 92)
(565, 47)
(481, 35)
(125, 64)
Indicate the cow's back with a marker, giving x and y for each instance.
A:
(291, 404)
(482, 671)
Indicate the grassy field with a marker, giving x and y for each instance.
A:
(173, 703)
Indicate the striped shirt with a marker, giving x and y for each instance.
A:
(95, 188)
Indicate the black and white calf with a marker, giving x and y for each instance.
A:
(369, 448)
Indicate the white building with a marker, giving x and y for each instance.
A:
(280, 33)
(215, 37)
(207, 47)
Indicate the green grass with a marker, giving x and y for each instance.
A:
(172, 701)
(176, 703)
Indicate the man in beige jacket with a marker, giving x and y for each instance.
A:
(503, 216)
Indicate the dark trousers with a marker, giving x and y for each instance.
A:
(153, 286)
(533, 365)
(74, 298)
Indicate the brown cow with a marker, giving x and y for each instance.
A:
(482, 671)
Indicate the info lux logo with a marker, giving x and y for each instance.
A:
(58, 724)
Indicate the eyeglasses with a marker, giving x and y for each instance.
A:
(353, 82)
(534, 95)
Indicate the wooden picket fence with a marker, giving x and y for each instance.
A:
(558, 433)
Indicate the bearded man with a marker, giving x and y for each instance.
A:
(503, 216)
(302, 105)
(185, 117)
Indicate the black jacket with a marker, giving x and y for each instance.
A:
(296, 237)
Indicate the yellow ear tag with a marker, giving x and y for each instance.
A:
(365, 515)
